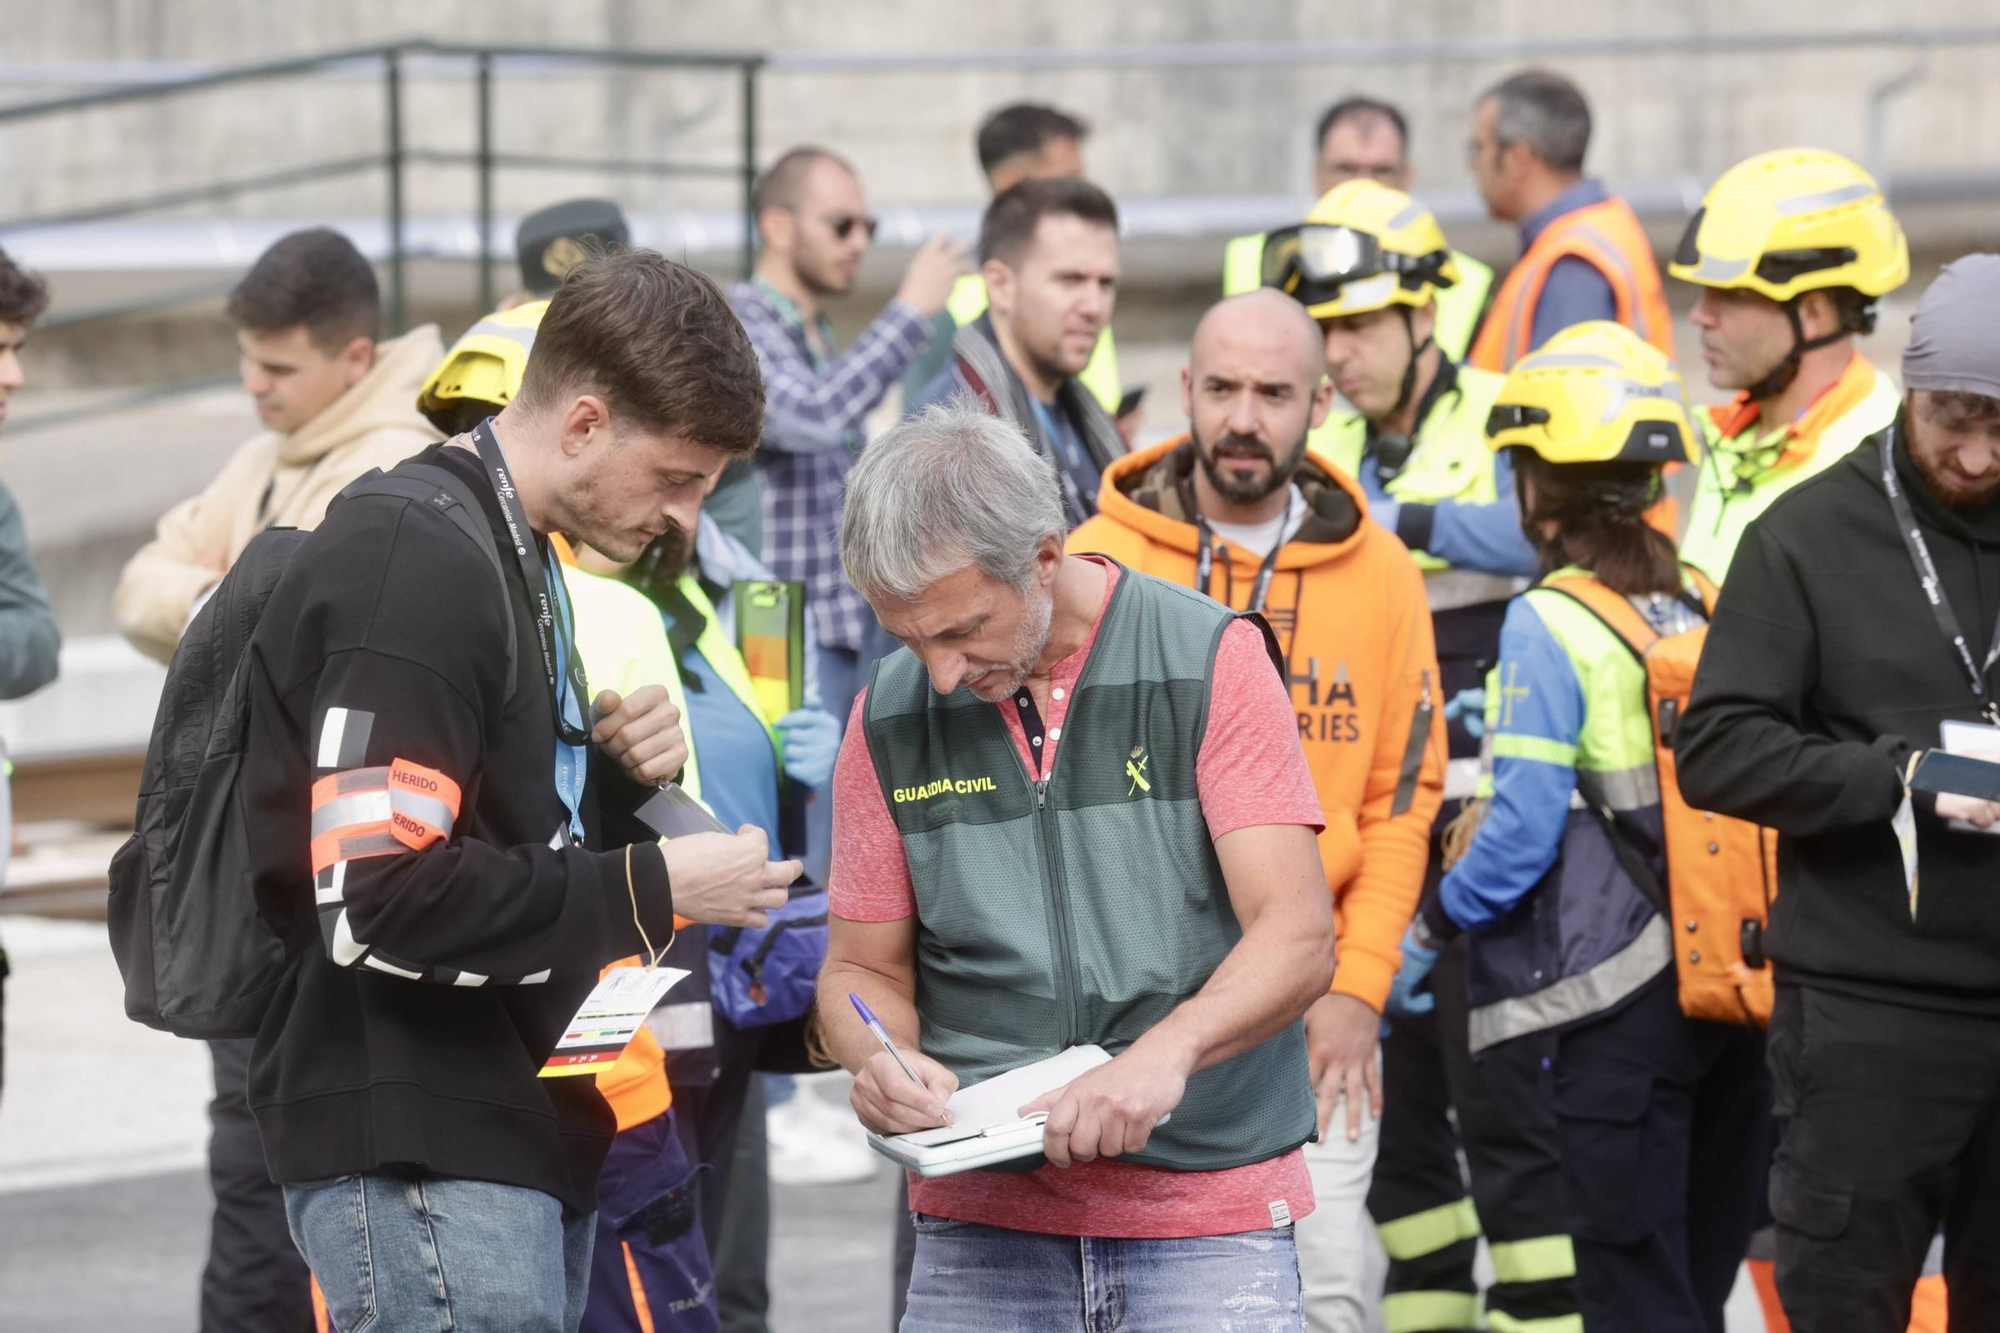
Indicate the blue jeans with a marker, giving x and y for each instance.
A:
(969, 1277)
(416, 1253)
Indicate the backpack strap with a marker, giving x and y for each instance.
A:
(1638, 635)
(1616, 613)
(446, 492)
(1706, 587)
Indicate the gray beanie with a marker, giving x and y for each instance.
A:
(1954, 337)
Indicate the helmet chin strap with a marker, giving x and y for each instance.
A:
(1392, 449)
(1787, 370)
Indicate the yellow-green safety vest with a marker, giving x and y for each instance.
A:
(1458, 306)
(1720, 513)
(726, 660)
(1450, 462)
(968, 302)
(624, 646)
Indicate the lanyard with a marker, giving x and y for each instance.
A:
(1064, 458)
(1204, 559)
(555, 631)
(1927, 575)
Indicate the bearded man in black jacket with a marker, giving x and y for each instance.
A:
(1853, 636)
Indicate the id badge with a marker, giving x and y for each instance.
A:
(611, 1016)
(672, 813)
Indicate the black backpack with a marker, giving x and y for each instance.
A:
(198, 958)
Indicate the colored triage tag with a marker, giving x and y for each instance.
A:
(611, 1016)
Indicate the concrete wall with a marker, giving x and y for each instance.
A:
(1159, 131)
(90, 491)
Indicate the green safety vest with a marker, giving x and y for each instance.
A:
(1086, 906)
(968, 302)
(1720, 512)
(1458, 306)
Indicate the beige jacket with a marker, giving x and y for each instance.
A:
(286, 480)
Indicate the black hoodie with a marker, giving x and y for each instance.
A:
(1824, 669)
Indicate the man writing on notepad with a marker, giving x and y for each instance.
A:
(1001, 894)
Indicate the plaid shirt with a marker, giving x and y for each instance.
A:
(813, 410)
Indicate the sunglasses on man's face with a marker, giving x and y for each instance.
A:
(842, 225)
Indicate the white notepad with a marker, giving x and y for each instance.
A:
(987, 1125)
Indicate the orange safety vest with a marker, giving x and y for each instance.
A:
(1607, 234)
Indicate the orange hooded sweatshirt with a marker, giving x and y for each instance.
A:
(1348, 605)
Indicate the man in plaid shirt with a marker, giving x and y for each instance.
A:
(815, 229)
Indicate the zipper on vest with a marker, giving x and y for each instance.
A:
(1413, 752)
(1058, 916)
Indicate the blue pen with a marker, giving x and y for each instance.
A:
(874, 1025)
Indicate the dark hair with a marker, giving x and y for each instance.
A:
(23, 295)
(1011, 219)
(1600, 513)
(1958, 406)
(313, 277)
(1354, 108)
(1024, 127)
(658, 341)
(783, 184)
(1545, 111)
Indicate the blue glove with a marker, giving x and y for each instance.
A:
(812, 741)
(1405, 999)
(1471, 706)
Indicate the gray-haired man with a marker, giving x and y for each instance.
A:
(1157, 892)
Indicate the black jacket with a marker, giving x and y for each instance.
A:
(1824, 669)
(491, 937)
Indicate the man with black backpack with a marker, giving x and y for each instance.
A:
(450, 894)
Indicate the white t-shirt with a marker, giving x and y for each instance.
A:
(1260, 538)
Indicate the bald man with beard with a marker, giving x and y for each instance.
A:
(1242, 509)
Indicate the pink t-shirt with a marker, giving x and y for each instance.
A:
(1251, 771)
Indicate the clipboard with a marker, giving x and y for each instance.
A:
(946, 1152)
(986, 1128)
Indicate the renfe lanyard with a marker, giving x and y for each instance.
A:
(1204, 559)
(1920, 556)
(555, 630)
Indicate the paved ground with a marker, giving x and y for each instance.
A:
(104, 1206)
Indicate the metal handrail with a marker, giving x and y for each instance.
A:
(395, 62)
(390, 62)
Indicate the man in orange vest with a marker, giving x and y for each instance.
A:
(1584, 254)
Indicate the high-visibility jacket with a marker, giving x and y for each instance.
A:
(1607, 235)
(1748, 467)
(968, 302)
(1458, 305)
(624, 647)
(1450, 465)
(1566, 713)
(1450, 461)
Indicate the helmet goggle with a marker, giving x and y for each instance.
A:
(1318, 263)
